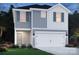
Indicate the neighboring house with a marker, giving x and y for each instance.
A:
(41, 25)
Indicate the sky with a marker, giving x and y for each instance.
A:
(5, 6)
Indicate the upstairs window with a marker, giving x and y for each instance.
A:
(43, 14)
(54, 16)
(17, 15)
(58, 17)
(22, 16)
(28, 16)
(62, 17)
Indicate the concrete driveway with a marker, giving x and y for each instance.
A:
(61, 50)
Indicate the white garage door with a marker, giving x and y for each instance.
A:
(50, 39)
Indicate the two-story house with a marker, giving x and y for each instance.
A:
(41, 25)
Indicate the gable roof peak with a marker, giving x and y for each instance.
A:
(59, 4)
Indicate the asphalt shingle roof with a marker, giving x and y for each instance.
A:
(35, 6)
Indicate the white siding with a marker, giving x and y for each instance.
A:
(54, 25)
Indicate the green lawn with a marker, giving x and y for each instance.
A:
(24, 51)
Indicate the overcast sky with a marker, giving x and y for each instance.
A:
(5, 6)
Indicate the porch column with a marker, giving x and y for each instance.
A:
(15, 39)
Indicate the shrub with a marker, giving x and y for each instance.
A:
(29, 46)
(15, 46)
(8, 44)
(3, 49)
(23, 46)
(71, 45)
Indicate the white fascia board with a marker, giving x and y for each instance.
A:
(61, 6)
(29, 9)
(40, 28)
(65, 8)
(45, 29)
(21, 10)
(38, 9)
(23, 29)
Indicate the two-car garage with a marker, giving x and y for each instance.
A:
(50, 39)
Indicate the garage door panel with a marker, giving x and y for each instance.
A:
(44, 42)
(58, 40)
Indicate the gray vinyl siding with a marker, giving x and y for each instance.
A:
(23, 25)
(19, 24)
(39, 22)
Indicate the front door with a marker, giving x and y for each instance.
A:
(19, 38)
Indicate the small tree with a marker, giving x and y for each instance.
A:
(2, 29)
(10, 29)
(3, 24)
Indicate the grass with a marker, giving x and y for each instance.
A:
(24, 51)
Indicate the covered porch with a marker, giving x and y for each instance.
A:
(22, 37)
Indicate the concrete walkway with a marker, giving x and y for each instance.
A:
(61, 50)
